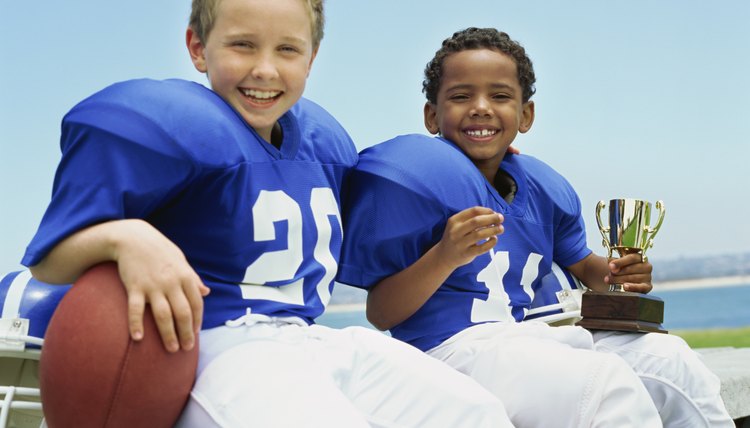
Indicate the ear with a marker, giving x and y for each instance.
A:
(528, 117)
(196, 48)
(430, 118)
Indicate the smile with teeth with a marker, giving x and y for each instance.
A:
(478, 133)
(259, 96)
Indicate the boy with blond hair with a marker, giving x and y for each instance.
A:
(235, 190)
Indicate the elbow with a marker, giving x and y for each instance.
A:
(377, 319)
(43, 273)
(39, 273)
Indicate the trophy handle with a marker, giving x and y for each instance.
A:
(652, 231)
(604, 230)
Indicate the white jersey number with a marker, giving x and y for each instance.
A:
(497, 305)
(281, 265)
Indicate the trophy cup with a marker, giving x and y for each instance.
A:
(628, 232)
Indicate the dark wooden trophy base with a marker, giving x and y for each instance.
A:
(621, 311)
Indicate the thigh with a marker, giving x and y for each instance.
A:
(653, 353)
(271, 380)
(662, 356)
(317, 376)
(548, 376)
(531, 346)
(684, 390)
(395, 384)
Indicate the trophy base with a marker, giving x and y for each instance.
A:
(621, 311)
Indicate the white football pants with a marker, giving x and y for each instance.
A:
(279, 374)
(685, 391)
(551, 376)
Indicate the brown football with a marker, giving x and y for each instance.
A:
(92, 374)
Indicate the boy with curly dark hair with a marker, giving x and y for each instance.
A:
(459, 245)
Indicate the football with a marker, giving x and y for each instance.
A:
(91, 374)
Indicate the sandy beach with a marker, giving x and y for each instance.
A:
(723, 281)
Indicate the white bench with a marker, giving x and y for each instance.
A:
(732, 365)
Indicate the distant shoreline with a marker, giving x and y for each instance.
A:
(722, 281)
(682, 284)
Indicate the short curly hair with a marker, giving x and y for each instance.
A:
(203, 16)
(478, 38)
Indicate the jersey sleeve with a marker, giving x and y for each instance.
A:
(387, 227)
(397, 201)
(570, 230)
(115, 164)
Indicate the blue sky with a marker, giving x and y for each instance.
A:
(646, 99)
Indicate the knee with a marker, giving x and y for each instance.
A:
(670, 353)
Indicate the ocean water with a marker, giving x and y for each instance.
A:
(711, 307)
(684, 309)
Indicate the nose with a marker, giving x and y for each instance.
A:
(481, 108)
(264, 67)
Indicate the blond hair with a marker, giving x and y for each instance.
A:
(203, 16)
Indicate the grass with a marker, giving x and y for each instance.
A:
(736, 337)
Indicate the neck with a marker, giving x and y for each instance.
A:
(505, 185)
(488, 168)
(277, 136)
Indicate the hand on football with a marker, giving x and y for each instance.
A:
(155, 272)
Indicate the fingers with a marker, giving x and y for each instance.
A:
(136, 303)
(194, 294)
(631, 261)
(468, 234)
(204, 290)
(631, 271)
(162, 311)
(483, 247)
(472, 212)
(642, 288)
(179, 314)
(155, 272)
(177, 311)
(476, 219)
(186, 319)
(478, 233)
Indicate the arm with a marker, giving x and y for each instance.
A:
(152, 268)
(396, 298)
(596, 273)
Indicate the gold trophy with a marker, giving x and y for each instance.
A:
(628, 232)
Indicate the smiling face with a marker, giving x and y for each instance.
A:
(479, 106)
(257, 57)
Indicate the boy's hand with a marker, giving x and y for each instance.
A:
(634, 274)
(468, 234)
(155, 271)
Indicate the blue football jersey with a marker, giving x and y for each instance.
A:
(261, 226)
(397, 203)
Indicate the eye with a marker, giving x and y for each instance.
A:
(241, 44)
(289, 49)
(459, 97)
(501, 96)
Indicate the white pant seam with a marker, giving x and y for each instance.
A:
(678, 391)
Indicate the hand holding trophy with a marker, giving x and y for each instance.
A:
(627, 232)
